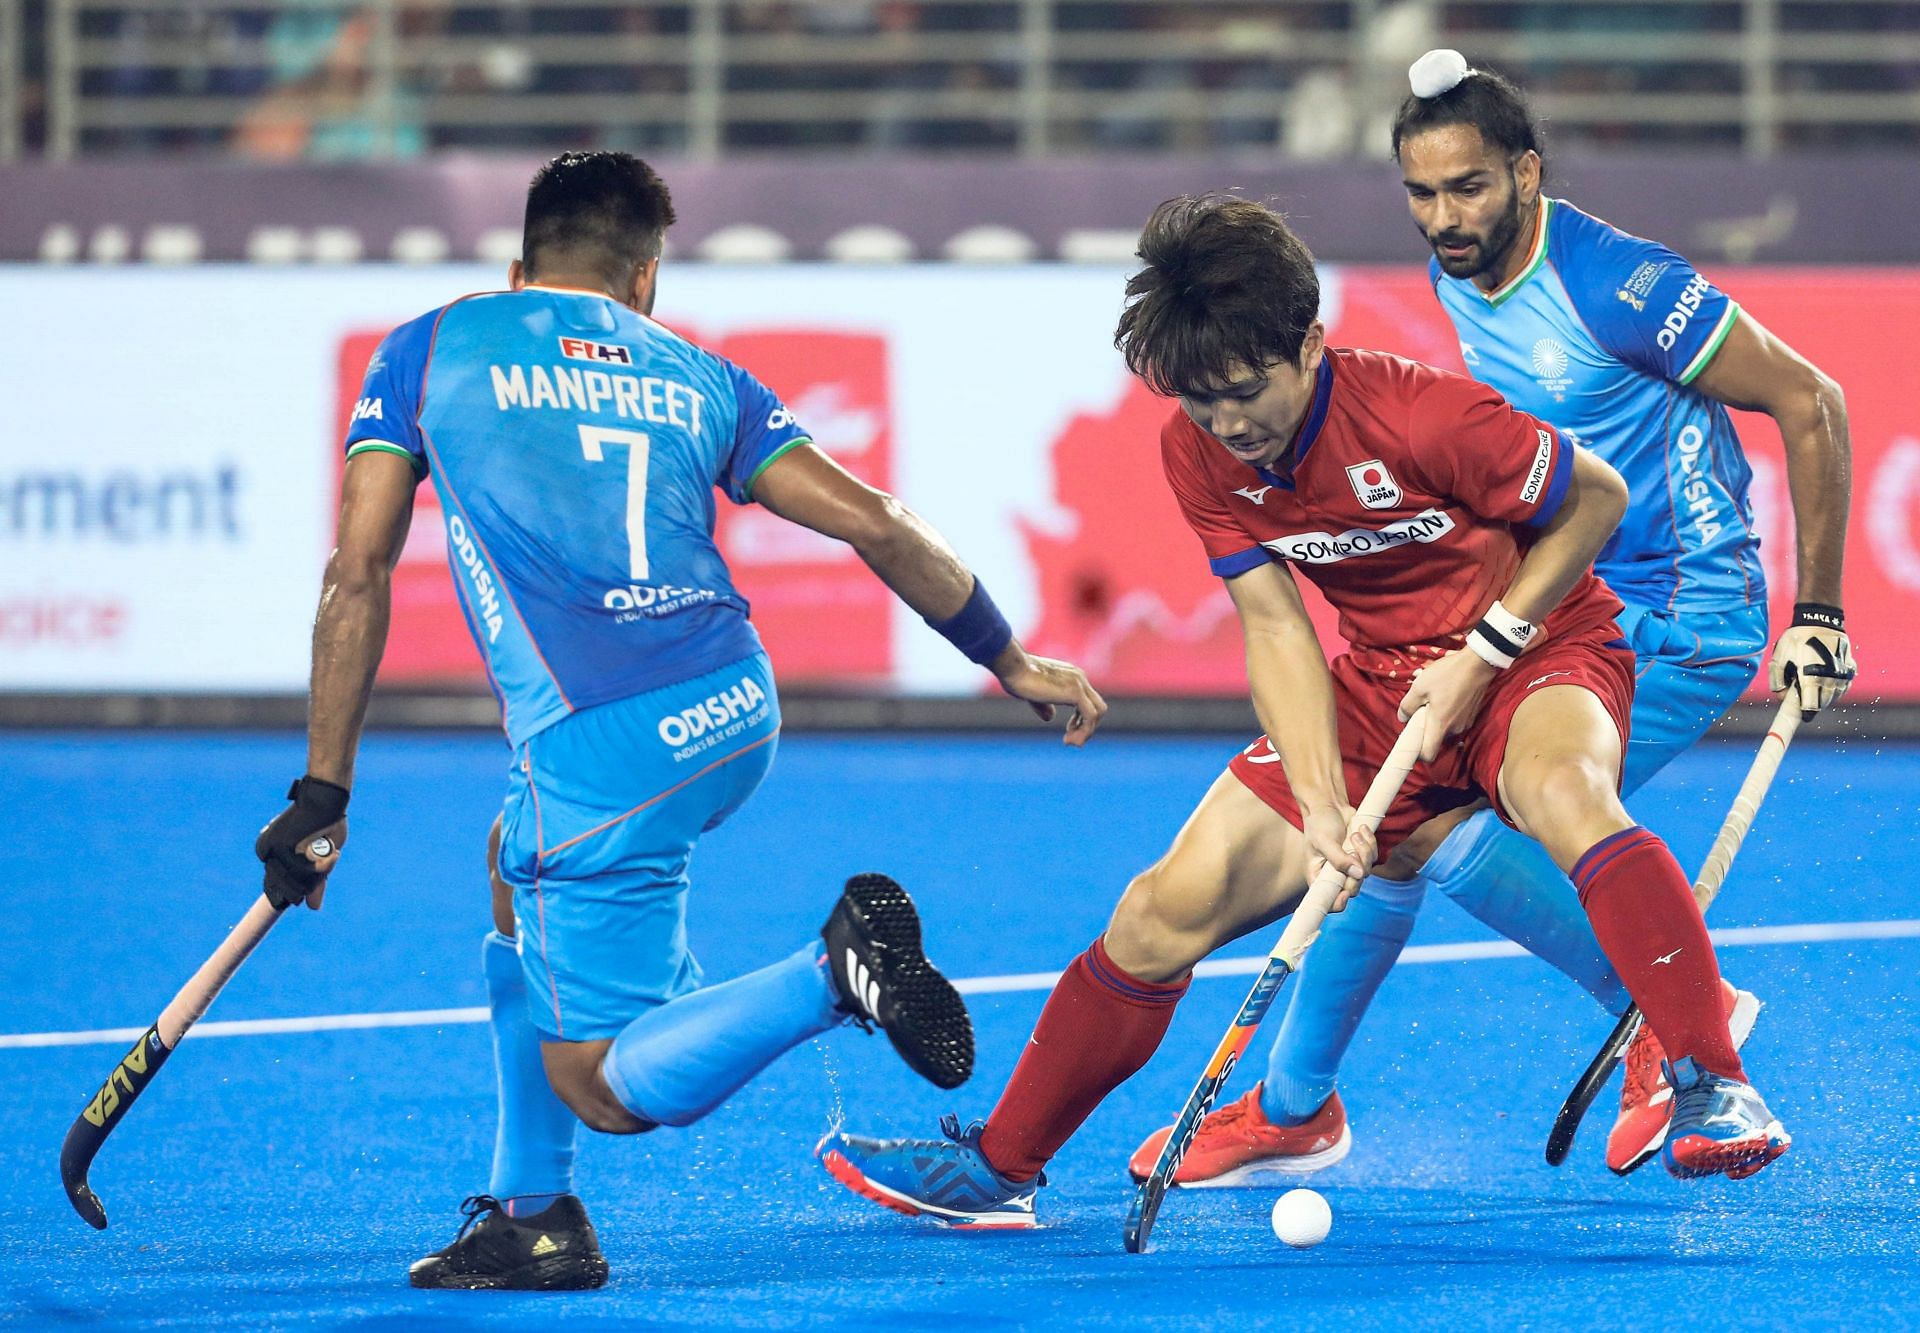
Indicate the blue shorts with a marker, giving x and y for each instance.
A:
(1693, 665)
(603, 810)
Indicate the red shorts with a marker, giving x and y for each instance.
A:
(1366, 707)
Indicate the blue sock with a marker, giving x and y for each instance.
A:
(675, 1063)
(533, 1148)
(1346, 965)
(1508, 881)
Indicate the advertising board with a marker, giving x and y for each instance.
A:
(170, 462)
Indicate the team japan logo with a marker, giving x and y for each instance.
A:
(1374, 485)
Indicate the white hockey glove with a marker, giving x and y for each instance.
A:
(1813, 658)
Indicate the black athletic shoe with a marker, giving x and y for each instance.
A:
(874, 959)
(551, 1250)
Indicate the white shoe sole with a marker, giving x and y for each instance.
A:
(1267, 1168)
(1746, 1011)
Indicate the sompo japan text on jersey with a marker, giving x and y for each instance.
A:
(1411, 496)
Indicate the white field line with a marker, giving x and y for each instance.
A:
(1819, 932)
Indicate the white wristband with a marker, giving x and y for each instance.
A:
(1500, 637)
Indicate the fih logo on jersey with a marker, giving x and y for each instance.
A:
(1550, 368)
(579, 349)
(1374, 484)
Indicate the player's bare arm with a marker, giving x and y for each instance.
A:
(1293, 698)
(1757, 372)
(349, 635)
(806, 487)
(1453, 687)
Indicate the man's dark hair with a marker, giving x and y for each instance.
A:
(1226, 284)
(607, 213)
(1483, 100)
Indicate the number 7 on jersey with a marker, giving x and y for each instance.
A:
(593, 442)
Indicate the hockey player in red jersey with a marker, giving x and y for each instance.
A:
(1455, 536)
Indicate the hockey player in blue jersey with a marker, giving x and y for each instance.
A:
(576, 446)
(1632, 353)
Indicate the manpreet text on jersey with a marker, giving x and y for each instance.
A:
(572, 388)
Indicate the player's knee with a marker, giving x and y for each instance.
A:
(587, 1095)
(573, 1071)
(1573, 800)
(1575, 785)
(1161, 927)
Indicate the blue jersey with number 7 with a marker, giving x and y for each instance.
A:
(576, 446)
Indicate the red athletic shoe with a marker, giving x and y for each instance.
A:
(1646, 1101)
(1237, 1145)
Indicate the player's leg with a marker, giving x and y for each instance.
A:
(1691, 669)
(1557, 779)
(1236, 865)
(532, 1178)
(534, 1139)
(633, 1041)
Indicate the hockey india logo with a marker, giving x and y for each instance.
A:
(1549, 359)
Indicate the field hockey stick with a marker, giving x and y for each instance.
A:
(1302, 929)
(1746, 805)
(139, 1065)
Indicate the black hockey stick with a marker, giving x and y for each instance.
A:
(138, 1066)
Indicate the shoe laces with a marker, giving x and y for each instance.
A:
(476, 1207)
(969, 1138)
(966, 1138)
(1644, 1072)
(1236, 1115)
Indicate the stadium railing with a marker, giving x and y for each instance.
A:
(12, 57)
(384, 78)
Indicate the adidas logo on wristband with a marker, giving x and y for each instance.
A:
(1500, 637)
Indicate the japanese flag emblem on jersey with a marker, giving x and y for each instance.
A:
(1374, 484)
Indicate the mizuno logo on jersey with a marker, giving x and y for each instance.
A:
(1328, 548)
(1257, 495)
(1542, 466)
(579, 349)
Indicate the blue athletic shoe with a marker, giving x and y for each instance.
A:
(1720, 1126)
(947, 1180)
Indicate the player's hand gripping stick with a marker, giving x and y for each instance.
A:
(1746, 805)
(1303, 927)
(139, 1065)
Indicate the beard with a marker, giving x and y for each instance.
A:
(1489, 250)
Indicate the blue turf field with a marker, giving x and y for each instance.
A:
(285, 1181)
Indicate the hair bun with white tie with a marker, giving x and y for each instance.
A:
(1437, 72)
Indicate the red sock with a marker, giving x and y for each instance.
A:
(1098, 1027)
(1643, 912)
